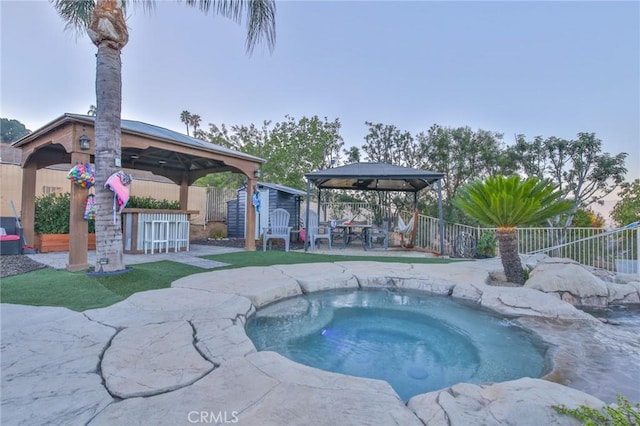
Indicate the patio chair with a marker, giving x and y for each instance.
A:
(278, 229)
(379, 235)
(10, 236)
(314, 231)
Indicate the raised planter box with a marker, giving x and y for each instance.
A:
(49, 243)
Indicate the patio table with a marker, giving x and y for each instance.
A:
(354, 231)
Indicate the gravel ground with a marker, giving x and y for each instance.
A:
(18, 264)
(239, 243)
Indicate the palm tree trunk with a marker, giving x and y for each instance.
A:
(508, 245)
(109, 33)
(108, 149)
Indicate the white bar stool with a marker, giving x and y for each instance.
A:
(181, 234)
(159, 235)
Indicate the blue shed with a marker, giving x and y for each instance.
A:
(272, 196)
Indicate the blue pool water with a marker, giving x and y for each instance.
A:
(416, 342)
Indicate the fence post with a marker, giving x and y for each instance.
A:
(637, 249)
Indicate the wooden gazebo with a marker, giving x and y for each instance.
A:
(180, 158)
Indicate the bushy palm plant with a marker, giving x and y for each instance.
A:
(509, 202)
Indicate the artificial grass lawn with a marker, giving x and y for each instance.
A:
(274, 257)
(77, 291)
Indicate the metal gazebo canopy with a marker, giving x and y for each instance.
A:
(377, 177)
(374, 177)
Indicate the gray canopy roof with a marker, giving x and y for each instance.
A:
(373, 177)
(377, 177)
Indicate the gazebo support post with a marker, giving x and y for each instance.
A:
(78, 227)
(184, 192)
(306, 220)
(250, 226)
(28, 203)
(440, 218)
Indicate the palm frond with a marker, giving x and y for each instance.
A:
(76, 13)
(261, 23)
(261, 17)
(511, 202)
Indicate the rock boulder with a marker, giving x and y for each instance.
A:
(570, 281)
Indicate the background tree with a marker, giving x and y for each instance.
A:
(578, 167)
(185, 117)
(507, 203)
(12, 130)
(627, 210)
(299, 146)
(195, 121)
(249, 139)
(291, 147)
(587, 218)
(105, 23)
(352, 155)
(192, 120)
(387, 144)
(92, 110)
(463, 155)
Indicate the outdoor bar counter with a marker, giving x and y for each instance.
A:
(155, 231)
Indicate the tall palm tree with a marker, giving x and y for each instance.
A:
(104, 22)
(195, 123)
(509, 202)
(185, 117)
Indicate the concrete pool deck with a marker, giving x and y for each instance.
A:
(181, 356)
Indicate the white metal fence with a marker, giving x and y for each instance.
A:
(612, 250)
(347, 211)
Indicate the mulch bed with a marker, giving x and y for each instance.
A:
(239, 243)
(18, 264)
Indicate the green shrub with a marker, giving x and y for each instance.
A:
(52, 211)
(218, 231)
(620, 414)
(151, 203)
(486, 245)
(52, 214)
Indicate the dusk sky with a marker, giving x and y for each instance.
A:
(536, 68)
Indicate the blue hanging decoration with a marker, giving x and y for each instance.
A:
(255, 200)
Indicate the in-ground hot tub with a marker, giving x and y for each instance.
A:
(415, 341)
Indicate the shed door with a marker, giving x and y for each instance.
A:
(262, 219)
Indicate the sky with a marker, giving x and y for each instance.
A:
(533, 68)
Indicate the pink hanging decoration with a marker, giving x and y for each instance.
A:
(90, 208)
(119, 184)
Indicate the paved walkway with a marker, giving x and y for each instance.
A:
(192, 257)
